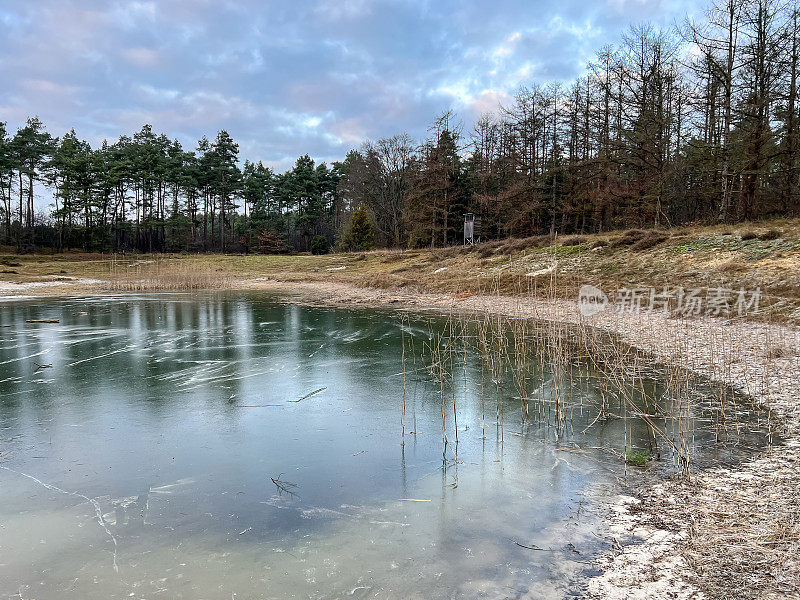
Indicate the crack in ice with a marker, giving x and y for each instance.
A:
(98, 513)
(10, 360)
(125, 349)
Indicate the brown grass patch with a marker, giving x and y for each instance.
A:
(651, 240)
(573, 240)
(769, 235)
(628, 238)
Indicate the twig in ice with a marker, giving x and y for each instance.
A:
(532, 547)
(283, 486)
(309, 394)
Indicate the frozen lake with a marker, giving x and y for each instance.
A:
(140, 437)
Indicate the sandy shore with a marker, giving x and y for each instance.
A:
(724, 533)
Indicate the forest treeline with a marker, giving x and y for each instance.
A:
(695, 123)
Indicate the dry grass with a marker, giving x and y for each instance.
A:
(743, 527)
(651, 240)
(716, 256)
(158, 274)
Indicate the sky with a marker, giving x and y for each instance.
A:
(290, 78)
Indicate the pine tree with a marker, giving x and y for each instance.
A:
(226, 179)
(6, 179)
(32, 146)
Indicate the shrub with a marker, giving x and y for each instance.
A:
(360, 235)
(419, 238)
(319, 245)
(269, 242)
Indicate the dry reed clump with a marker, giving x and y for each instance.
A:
(548, 366)
(729, 532)
(731, 266)
(506, 246)
(404, 269)
(438, 254)
(164, 275)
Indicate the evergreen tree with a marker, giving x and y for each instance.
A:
(226, 180)
(361, 234)
(433, 196)
(6, 179)
(32, 146)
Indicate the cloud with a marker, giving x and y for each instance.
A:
(129, 14)
(285, 79)
(487, 101)
(506, 48)
(43, 87)
(338, 10)
(141, 57)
